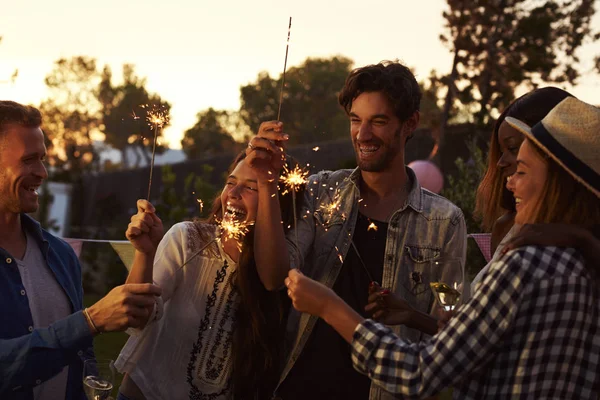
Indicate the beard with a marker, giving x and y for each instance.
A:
(383, 157)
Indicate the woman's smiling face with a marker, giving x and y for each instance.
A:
(528, 183)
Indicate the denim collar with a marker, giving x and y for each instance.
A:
(415, 195)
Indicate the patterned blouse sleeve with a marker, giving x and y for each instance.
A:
(170, 255)
(466, 343)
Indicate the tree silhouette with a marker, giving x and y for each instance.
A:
(208, 135)
(125, 112)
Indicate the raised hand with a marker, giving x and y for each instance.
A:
(266, 151)
(145, 229)
(125, 306)
(308, 295)
(387, 308)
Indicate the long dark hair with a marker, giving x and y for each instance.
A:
(258, 338)
(493, 199)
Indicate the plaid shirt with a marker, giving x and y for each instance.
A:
(531, 331)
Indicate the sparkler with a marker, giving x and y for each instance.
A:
(293, 180)
(287, 46)
(230, 229)
(157, 118)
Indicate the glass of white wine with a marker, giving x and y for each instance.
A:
(448, 290)
(98, 379)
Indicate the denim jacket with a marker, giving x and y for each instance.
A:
(427, 227)
(31, 356)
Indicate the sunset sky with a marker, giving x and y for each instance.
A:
(196, 54)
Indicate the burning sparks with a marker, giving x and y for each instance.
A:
(294, 179)
(316, 148)
(232, 229)
(157, 117)
(200, 204)
(372, 226)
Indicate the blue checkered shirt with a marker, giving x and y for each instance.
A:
(531, 332)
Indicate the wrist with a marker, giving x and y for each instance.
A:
(90, 321)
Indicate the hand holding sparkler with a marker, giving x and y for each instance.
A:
(145, 230)
(266, 151)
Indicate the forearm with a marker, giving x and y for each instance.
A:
(423, 322)
(142, 268)
(341, 317)
(270, 248)
(42, 353)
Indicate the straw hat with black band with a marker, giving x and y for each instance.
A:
(570, 135)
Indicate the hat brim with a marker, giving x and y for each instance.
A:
(529, 134)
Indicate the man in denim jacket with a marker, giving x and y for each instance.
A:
(374, 223)
(45, 335)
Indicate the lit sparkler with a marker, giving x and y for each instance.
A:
(233, 229)
(293, 180)
(157, 118)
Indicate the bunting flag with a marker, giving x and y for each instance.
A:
(123, 248)
(484, 242)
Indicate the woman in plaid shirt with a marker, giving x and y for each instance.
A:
(533, 328)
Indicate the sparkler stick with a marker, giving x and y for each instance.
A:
(287, 46)
(293, 179)
(156, 118)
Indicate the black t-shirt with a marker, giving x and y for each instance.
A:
(324, 369)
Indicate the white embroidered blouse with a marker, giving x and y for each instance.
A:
(185, 351)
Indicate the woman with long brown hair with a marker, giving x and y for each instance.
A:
(216, 332)
(533, 328)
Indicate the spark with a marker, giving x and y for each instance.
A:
(232, 229)
(316, 148)
(294, 179)
(201, 204)
(329, 209)
(372, 226)
(157, 117)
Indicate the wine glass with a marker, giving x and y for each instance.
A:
(98, 378)
(448, 290)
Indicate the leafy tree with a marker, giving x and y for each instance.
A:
(173, 206)
(71, 114)
(208, 135)
(125, 115)
(460, 189)
(500, 44)
(310, 109)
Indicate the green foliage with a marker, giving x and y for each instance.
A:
(173, 206)
(310, 109)
(125, 110)
(208, 135)
(501, 44)
(71, 114)
(461, 189)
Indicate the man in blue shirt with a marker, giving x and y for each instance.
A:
(45, 334)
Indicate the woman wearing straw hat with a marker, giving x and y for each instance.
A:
(533, 328)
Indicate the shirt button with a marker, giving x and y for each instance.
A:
(80, 353)
(38, 381)
(8, 260)
(22, 292)
(31, 329)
